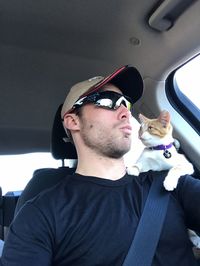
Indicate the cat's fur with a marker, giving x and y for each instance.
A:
(154, 132)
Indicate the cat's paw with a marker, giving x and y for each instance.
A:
(170, 182)
(195, 240)
(133, 170)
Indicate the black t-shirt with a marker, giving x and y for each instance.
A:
(90, 221)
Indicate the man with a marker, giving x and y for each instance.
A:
(91, 217)
(101, 136)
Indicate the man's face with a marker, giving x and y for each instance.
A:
(107, 132)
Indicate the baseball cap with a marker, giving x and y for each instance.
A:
(126, 78)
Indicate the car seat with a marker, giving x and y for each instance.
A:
(42, 178)
(47, 177)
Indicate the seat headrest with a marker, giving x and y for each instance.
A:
(59, 148)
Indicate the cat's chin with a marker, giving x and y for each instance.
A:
(146, 142)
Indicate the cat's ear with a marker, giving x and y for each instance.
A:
(164, 118)
(142, 118)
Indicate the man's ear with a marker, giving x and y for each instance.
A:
(71, 122)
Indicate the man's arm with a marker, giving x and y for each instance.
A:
(188, 191)
(29, 241)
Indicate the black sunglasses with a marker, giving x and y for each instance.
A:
(105, 99)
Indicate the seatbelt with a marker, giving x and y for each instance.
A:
(142, 249)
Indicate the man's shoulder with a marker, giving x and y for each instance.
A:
(51, 192)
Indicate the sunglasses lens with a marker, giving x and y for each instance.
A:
(124, 101)
(129, 106)
(106, 99)
(108, 103)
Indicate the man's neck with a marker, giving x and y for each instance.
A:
(102, 167)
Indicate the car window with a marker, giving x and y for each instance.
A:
(183, 91)
(187, 79)
(17, 170)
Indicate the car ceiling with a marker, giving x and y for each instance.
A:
(47, 46)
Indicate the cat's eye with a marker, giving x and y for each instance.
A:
(150, 127)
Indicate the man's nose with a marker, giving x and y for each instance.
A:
(124, 113)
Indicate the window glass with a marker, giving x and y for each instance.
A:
(182, 90)
(188, 80)
(17, 170)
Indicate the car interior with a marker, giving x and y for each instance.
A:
(48, 46)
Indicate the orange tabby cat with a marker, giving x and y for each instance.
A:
(159, 152)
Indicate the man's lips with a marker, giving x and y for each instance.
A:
(126, 129)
